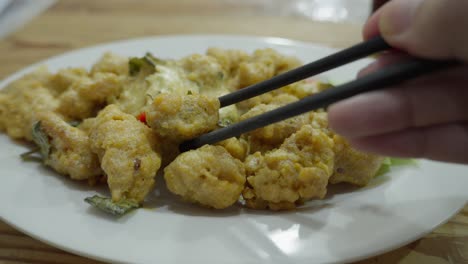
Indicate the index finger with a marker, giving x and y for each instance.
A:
(436, 99)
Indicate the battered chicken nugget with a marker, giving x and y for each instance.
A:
(182, 117)
(237, 147)
(87, 124)
(209, 176)
(305, 88)
(275, 98)
(111, 63)
(38, 77)
(271, 136)
(271, 179)
(353, 166)
(87, 95)
(229, 59)
(314, 147)
(298, 171)
(281, 181)
(264, 64)
(70, 150)
(205, 71)
(19, 104)
(64, 78)
(128, 153)
(319, 120)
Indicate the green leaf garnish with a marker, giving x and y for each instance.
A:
(29, 155)
(135, 65)
(392, 162)
(403, 162)
(41, 139)
(115, 208)
(152, 60)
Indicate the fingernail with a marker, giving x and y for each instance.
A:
(398, 16)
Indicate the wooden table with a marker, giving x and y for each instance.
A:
(72, 24)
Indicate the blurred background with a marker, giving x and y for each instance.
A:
(352, 11)
(15, 13)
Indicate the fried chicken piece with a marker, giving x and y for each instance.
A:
(111, 63)
(228, 58)
(86, 96)
(64, 78)
(264, 64)
(180, 118)
(313, 146)
(271, 136)
(237, 147)
(128, 152)
(70, 150)
(305, 88)
(209, 176)
(353, 166)
(205, 71)
(275, 98)
(296, 172)
(20, 102)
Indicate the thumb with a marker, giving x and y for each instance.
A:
(436, 29)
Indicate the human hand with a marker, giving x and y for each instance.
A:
(424, 118)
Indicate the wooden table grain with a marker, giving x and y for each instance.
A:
(72, 24)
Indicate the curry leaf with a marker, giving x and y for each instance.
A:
(135, 65)
(115, 208)
(152, 60)
(41, 139)
(29, 155)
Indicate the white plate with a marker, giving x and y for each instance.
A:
(395, 209)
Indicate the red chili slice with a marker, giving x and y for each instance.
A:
(142, 117)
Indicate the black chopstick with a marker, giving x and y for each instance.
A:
(378, 80)
(340, 58)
